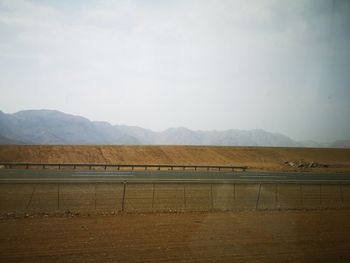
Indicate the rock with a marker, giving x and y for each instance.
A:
(291, 164)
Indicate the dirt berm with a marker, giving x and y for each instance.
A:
(256, 158)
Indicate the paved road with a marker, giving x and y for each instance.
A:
(17, 175)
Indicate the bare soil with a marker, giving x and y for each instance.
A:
(240, 236)
(247, 236)
(256, 158)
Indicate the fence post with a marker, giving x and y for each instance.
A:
(341, 194)
(301, 195)
(258, 198)
(185, 204)
(95, 197)
(123, 201)
(153, 197)
(211, 197)
(58, 196)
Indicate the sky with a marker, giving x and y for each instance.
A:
(281, 66)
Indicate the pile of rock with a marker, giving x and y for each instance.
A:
(303, 164)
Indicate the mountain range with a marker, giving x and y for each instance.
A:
(55, 127)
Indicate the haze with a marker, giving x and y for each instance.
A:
(282, 66)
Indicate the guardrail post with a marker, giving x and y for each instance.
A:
(43, 166)
(27, 166)
(59, 167)
(105, 167)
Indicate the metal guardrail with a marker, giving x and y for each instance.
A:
(27, 165)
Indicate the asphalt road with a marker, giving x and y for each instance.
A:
(19, 175)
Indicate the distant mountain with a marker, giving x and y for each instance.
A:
(5, 140)
(341, 144)
(55, 127)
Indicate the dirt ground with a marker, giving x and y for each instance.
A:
(247, 236)
(256, 158)
(313, 235)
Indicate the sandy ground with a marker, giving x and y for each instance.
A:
(256, 158)
(313, 235)
(248, 236)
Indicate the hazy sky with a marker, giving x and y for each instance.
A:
(282, 66)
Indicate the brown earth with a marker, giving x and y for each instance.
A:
(239, 236)
(256, 158)
(247, 236)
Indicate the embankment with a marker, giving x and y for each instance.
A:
(256, 158)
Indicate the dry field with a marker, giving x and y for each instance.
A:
(246, 236)
(256, 158)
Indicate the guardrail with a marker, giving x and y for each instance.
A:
(90, 166)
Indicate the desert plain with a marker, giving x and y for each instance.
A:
(213, 223)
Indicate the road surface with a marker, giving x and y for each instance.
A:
(61, 176)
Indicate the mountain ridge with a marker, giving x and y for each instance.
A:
(55, 127)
